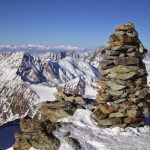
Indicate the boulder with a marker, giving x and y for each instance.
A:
(56, 110)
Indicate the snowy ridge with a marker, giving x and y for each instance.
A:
(17, 99)
(57, 73)
(23, 77)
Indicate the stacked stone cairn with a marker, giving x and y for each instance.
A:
(123, 96)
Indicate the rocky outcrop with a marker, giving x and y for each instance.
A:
(36, 134)
(122, 98)
(61, 96)
(39, 133)
(56, 110)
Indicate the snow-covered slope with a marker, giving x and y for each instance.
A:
(82, 128)
(17, 99)
(26, 80)
(57, 73)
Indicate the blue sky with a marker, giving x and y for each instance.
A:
(85, 23)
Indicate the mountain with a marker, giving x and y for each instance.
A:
(40, 49)
(27, 80)
(17, 99)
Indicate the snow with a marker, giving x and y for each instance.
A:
(92, 137)
(11, 148)
(90, 92)
(44, 92)
(33, 148)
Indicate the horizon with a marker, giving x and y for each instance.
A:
(86, 23)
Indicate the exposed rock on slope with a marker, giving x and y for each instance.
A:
(36, 134)
(39, 133)
(16, 97)
(19, 71)
(69, 71)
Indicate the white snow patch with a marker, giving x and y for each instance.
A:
(44, 92)
(11, 148)
(33, 148)
(92, 137)
(90, 92)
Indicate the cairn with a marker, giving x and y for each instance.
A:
(122, 98)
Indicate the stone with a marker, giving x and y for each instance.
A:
(34, 135)
(114, 86)
(126, 61)
(124, 95)
(106, 62)
(121, 76)
(146, 112)
(140, 81)
(124, 48)
(128, 103)
(115, 93)
(143, 92)
(120, 69)
(120, 40)
(127, 26)
(98, 114)
(57, 110)
(116, 115)
(133, 54)
(134, 100)
(129, 120)
(141, 72)
(110, 122)
(134, 107)
(106, 56)
(112, 53)
(107, 109)
(122, 55)
(132, 113)
(120, 100)
(102, 98)
(142, 104)
(120, 32)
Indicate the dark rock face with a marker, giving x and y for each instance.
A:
(122, 99)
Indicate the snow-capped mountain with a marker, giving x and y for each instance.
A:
(17, 99)
(40, 49)
(25, 79)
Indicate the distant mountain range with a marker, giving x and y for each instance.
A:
(24, 78)
(39, 49)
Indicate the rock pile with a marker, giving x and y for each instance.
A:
(38, 133)
(122, 98)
